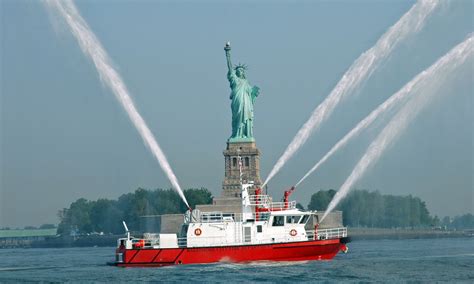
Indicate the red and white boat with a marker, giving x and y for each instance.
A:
(264, 231)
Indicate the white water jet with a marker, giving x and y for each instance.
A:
(428, 79)
(410, 23)
(444, 65)
(92, 48)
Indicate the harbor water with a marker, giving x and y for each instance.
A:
(419, 260)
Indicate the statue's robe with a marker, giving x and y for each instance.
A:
(243, 97)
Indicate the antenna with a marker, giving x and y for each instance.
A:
(240, 169)
(126, 229)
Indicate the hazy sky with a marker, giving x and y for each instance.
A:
(64, 136)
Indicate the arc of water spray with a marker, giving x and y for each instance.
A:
(396, 99)
(410, 23)
(92, 48)
(427, 79)
(363, 124)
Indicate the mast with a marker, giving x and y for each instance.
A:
(246, 205)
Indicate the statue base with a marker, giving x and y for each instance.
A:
(239, 140)
(250, 154)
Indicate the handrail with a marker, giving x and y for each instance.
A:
(327, 234)
(266, 202)
(212, 217)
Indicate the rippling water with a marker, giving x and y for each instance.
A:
(425, 260)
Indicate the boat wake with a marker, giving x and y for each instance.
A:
(260, 264)
(5, 269)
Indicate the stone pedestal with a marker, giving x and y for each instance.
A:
(250, 155)
(230, 199)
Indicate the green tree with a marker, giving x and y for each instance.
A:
(197, 196)
(436, 222)
(76, 217)
(106, 216)
(320, 200)
(465, 221)
(446, 222)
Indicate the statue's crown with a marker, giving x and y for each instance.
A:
(241, 66)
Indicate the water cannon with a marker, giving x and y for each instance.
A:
(286, 196)
(288, 193)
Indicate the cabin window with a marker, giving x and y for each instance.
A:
(264, 216)
(234, 162)
(259, 228)
(292, 219)
(184, 231)
(278, 221)
(304, 219)
(228, 217)
(247, 161)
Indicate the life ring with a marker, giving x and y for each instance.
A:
(293, 233)
(344, 249)
(198, 232)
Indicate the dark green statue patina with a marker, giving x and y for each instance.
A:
(243, 97)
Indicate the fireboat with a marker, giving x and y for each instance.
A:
(264, 231)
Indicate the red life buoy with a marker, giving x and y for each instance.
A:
(293, 233)
(197, 232)
(344, 248)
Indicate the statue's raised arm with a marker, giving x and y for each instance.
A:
(227, 54)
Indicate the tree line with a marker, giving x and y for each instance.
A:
(462, 222)
(361, 208)
(105, 215)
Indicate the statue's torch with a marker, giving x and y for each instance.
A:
(227, 46)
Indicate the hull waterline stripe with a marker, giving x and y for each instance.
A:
(144, 264)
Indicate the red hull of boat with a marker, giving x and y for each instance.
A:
(296, 251)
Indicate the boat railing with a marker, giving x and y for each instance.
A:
(149, 240)
(264, 201)
(211, 241)
(283, 205)
(327, 234)
(214, 217)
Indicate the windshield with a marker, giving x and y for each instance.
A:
(304, 219)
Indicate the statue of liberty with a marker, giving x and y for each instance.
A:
(243, 97)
